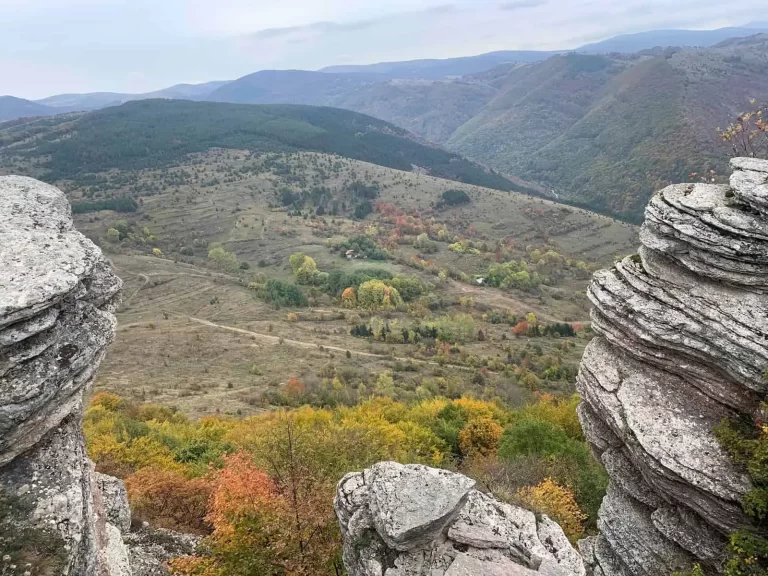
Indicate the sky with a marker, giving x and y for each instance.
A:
(60, 46)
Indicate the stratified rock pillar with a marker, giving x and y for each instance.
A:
(682, 342)
(57, 297)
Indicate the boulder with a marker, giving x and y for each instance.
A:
(412, 520)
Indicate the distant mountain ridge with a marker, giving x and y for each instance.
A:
(666, 38)
(436, 69)
(246, 89)
(12, 108)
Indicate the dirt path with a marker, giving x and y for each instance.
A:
(301, 344)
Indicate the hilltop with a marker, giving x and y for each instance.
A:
(157, 133)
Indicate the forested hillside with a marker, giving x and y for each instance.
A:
(609, 131)
(157, 133)
(604, 131)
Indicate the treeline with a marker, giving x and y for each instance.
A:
(120, 204)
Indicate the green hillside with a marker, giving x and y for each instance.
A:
(606, 132)
(157, 133)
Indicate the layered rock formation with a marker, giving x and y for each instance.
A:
(57, 297)
(682, 342)
(411, 520)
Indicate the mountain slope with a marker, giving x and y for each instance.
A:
(665, 38)
(12, 108)
(157, 133)
(435, 69)
(289, 87)
(607, 132)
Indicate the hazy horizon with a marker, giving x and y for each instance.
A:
(52, 47)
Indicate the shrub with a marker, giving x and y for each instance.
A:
(746, 442)
(113, 236)
(557, 502)
(222, 258)
(279, 293)
(425, 245)
(454, 197)
(480, 437)
(168, 499)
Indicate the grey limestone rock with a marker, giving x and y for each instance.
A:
(411, 520)
(682, 343)
(57, 296)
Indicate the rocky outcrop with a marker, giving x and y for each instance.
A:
(682, 342)
(57, 297)
(411, 520)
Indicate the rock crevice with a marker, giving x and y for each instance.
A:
(681, 343)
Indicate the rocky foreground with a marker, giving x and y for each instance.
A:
(682, 343)
(411, 520)
(57, 298)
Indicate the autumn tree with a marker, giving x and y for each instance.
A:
(376, 295)
(168, 499)
(748, 134)
(480, 437)
(559, 503)
(349, 298)
(304, 267)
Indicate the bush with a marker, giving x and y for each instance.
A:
(279, 293)
(169, 500)
(480, 437)
(454, 197)
(222, 258)
(746, 442)
(424, 245)
(113, 236)
(559, 503)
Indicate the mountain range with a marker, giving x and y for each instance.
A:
(601, 127)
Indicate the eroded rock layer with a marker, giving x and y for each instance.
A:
(411, 520)
(57, 297)
(682, 343)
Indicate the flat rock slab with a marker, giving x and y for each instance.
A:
(411, 504)
(466, 565)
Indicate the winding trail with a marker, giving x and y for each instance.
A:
(301, 344)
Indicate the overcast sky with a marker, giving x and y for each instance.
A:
(57, 46)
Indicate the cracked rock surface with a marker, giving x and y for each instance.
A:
(682, 343)
(57, 298)
(412, 520)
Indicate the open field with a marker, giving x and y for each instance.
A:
(195, 336)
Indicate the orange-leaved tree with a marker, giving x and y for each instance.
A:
(243, 511)
(168, 499)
